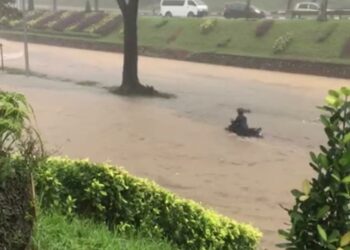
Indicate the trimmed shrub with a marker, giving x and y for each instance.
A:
(44, 22)
(109, 194)
(16, 197)
(17, 210)
(5, 22)
(161, 24)
(70, 20)
(263, 28)
(208, 26)
(282, 43)
(345, 53)
(110, 26)
(325, 34)
(96, 26)
(89, 20)
(321, 216)
(224, 43)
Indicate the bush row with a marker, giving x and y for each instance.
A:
(72, 19)
(109, 194)
(88, 21)
(113, 24)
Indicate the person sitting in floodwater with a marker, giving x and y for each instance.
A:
(240, 126)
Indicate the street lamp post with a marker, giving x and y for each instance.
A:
(25, 38)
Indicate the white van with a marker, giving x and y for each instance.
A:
(183, 8)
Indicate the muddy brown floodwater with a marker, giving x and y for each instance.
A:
(181, 143)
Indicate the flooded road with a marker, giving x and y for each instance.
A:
(181, 143)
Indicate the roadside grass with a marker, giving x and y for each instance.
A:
(56, 232)
(214, 5)
(241, 36)
(243, 39)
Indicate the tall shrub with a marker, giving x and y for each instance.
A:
(320, 218)
(19, 150)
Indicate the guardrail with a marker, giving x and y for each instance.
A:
(332, 13)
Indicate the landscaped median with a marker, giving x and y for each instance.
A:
(300, 46)
(125, 203)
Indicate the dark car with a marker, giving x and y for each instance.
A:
(239, 10)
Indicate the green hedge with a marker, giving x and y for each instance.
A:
(110, 194)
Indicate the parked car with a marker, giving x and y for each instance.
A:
(307, 6)
(183, 8)
(239, 10)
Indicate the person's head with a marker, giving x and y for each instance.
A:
(240, 111)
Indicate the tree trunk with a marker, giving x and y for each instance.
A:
(247, 13)
(54, 5)
(130, 70)
(31, 5)
(96, 5)
(323, 11)
(289, 5)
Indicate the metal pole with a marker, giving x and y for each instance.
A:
(2, 58)
(25, 38)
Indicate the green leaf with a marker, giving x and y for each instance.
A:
(322, 212)
(345, 195)
(346, 139)
(306, 187)
(334, 237)
(336, 177)
(346, 180)
(323, 160)
(345, 91)
(345, 160)
(334, 93)
(283, 233)
(296, 193)
(345, 240)
(303, 198)
(313, 157)
(332, 101)
(322, 233)
(325, 120)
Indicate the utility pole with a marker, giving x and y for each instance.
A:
(25, 38)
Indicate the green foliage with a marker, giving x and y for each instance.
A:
(16, 133)
(208, 26)
(320, 217)
(125, 203)
(54, 231)
(7, 10)
(282, 43)
(263, 28)
(322, 36)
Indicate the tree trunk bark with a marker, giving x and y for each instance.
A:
(130, 70)
(247, 11)
(289, 5)
(54, 5)
(96, 5)
(323, 11)
(30, 5)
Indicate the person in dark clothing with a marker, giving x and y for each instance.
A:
(240, 126)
